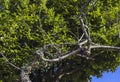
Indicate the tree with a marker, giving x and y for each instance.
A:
(58, 40)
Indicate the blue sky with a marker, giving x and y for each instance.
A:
(109, 77)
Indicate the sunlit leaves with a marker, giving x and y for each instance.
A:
(29, 24)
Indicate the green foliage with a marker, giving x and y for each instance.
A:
(29, 24)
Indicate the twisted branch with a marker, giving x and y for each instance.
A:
(59, 58)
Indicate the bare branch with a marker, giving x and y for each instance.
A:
(25, 71)
(80, 38)
(59, 58)
(106, 47)
(85, 28)
(82, 43)
(9, 62)
(87, 34)
(74, 35)
(24, 76)
(57, 45)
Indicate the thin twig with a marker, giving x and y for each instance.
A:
(80, 38)
(105, 47)
(9, 62)
(74, 35)
(85, 28)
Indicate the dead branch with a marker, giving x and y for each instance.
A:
(85, 47)
(24, 76)
(82, 52)
(80, 38)
(59, 58)
(105, 47)
(9, 62)
(24, 71)
(85, 28)
(82, 43)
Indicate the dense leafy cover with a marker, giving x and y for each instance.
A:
(29, 24)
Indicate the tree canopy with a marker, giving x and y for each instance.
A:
(58, 40)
